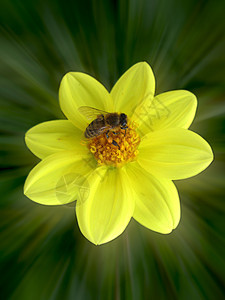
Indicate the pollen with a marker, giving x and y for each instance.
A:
(116, 147)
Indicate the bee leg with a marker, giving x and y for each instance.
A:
(107, 135)
(115, 144)
(115, 132)
(125, 128)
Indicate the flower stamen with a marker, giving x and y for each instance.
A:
(106, 153)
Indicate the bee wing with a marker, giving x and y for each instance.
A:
(91, 113)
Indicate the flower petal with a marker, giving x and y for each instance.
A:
(50, 137)
(105, 213)
(168, 110)
(174, 153)
(56, 180)
(157, 202)
(79, 89)
(135, 86)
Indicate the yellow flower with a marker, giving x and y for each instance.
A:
(132, 178)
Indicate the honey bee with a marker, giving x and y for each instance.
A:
(103, 122)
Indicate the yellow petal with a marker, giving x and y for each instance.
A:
(107, 210)
(79, 89)
(168, 110)
(134, 87)
(50, 137)
(56, 180)
(174, 153)
(157, 202)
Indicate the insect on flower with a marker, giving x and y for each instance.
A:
(129, 159)
(103, 123)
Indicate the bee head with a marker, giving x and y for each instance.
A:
(123, 120)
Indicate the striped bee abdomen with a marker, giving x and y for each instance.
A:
(95, 128)
(90, 132)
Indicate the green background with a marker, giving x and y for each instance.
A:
(43, 254)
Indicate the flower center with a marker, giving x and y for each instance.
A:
(115, 148)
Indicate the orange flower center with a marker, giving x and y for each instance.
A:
(115, 148)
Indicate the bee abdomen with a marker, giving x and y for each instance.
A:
(90, 131)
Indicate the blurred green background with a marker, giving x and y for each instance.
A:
(42, 252)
